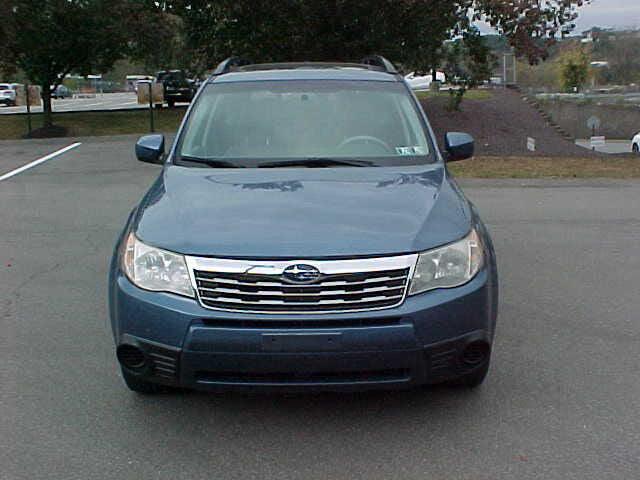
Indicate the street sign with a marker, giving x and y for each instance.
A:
(157, 93)
(33, 96)
(531, 144)
(593, 123)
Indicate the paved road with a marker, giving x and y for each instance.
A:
(561, 402)
(106, 101)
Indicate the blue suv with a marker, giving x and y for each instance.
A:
(304, 233)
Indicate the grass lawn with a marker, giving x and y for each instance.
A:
(86, 124)
(469, 95)
(545, 167)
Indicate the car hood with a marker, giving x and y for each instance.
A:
(302, 213)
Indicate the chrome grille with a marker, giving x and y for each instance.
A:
(336, 290)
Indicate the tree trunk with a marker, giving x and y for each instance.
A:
(46, 106)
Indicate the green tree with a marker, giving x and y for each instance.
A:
(410, 32)
(620, 50)
(469, 62)
(574, 69)
(531, 26)
(157, 42)
(49, 39)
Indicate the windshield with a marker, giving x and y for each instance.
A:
(245, 123)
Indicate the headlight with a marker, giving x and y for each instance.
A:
(154, 269)
(449, 266)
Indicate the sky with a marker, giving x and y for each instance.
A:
(609, 13)
(604, 13)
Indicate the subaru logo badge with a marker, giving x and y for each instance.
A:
(301, 274)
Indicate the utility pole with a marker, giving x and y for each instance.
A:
(26, 87)
(151, 107)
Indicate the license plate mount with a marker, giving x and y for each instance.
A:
(301, 342)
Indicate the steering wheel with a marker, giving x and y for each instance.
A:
(365, 139)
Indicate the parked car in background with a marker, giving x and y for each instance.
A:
(61, 92)
(132, 81)
(304, 233)
(423, 82)
(7, 95)
(177, 87)
(635, 144)
(144, 83)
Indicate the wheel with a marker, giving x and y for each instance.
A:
(171, 103)
(636, 149)
(473, 379)
(136, 384)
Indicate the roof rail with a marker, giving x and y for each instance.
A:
(314, 65)
(372, 62)
(381, 62)
(230, 63)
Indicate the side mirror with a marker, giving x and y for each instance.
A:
(459, 146)
(150, 149)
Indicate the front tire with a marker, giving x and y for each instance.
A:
(171, 103)
(636, 149)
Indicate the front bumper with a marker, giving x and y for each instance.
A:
(422, 341)
(179, 95)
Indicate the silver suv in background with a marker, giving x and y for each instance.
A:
(7, 95)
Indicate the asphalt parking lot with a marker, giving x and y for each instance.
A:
(561, 401)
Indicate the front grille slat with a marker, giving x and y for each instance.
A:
(222, 280)
(334, 292)
(326, 293)
(296, 303)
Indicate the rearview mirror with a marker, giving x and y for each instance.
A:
(459, 146)
(150, 149)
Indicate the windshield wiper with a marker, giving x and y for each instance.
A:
(211, 162)
(317, 162)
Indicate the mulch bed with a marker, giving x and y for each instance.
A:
(500, 126)
(53, 131)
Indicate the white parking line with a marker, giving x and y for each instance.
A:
(39, 161)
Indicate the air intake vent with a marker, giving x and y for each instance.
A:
(311, 378)
(365, 322)
(163, 361)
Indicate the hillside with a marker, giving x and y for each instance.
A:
(500, 125)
